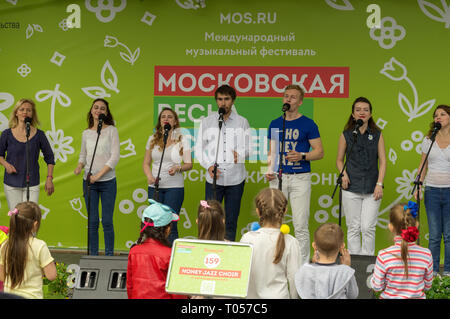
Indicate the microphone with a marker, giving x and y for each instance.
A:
(167, 128)
(358, 124)
(436, 128)
(286, 107)
(221, 113)
(28, 121)
(101, 119)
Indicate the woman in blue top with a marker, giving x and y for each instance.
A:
(13, 144)
(362, 181)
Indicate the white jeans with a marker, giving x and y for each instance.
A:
(16, 195)
(297, 189)
(361, 212)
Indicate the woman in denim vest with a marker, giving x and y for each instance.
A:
(362, 181)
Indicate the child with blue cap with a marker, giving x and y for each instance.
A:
(149, 258)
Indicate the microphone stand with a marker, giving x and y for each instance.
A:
(418, 183)
(217, 153)
(27, 160)
(339, 180)
(88, 183)
(156, 193)
(280, 164)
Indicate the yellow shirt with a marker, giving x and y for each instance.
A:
(38, 257)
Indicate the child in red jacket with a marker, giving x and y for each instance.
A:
(148, 260)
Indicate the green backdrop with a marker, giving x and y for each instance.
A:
(142, 55)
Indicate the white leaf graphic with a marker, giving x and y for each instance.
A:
(109, 77)
(29, 31)
(6, 100)
(4, 122)
(63, 99)
(126, 57)
(44, 95)
(37, 27)
(346, 5)
(425, 107)
(136, 55)
(392, 156)
(404, 100)
(95, 92)
(439, 15)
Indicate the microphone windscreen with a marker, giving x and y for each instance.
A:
(221, 110)
(167, 127)
(437, 126)
(28, 120)
(102, 117)
(359, 122)
(286, 107)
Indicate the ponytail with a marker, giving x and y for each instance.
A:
(403, 219)
(279, 251)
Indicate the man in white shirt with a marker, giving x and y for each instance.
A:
(233, 148)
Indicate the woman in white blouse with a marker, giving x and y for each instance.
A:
(437, 189)
(177, 159)
(103, 178)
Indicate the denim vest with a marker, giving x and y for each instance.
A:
(362, 163)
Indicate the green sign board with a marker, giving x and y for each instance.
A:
(209, 268)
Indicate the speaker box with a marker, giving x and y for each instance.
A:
(364, 266)
(101, 277)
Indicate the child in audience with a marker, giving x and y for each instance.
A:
(276, 256)
(211, 220)
(23, 257)
(405, 269)
(149, 258)
(323, 278)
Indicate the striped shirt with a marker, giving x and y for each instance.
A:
(389, 273)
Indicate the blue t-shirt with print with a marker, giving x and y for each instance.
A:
(297, 136)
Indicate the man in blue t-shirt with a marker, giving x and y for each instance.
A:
(302, 144)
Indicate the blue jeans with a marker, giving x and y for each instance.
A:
(106, 192)
(233, 196)
(437, 204)
(172, 197)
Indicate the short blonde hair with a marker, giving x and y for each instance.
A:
(296, 87)
(13, 122)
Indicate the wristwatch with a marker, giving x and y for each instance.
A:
(303, 156)
(380, 184)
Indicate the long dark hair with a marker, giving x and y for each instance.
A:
(109, 120)
(15, 249)
(156, 233)
(444, 107)
(351, 120)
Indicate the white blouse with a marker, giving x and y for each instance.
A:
(438, 174)
(171, 158)
(269, 280)
(107, 153)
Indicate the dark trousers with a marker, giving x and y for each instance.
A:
(172, 197)
(233, 196)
